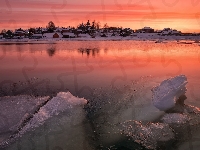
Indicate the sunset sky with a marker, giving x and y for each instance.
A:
(183, 15)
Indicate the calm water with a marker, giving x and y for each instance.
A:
(83, 67)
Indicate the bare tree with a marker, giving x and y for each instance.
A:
(3, 31)
(51, 26)
(105, 26)
(96, 25)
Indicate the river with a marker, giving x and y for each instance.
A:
(86, 67)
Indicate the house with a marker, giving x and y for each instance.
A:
(66, 30)
(79, 31)
(58, 29)
(148, 30)
(52, 35)
(175, 32)
(56, 35)
(19, 34)
(159, 32)
(36, 36)
(168, 31)
(44, 30)
(68, 35)
(145, 30)
(84, 35)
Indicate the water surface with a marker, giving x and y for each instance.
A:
(81, 66)
(101, 71)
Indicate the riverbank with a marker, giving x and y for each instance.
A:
(137, 37)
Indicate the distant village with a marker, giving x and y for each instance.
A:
(85, 30)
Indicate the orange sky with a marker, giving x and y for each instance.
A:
(158, 14)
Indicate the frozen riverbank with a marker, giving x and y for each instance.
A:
(137, 37)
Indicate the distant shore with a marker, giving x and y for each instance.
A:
(138, 37)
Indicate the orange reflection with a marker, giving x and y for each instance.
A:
(98, 63)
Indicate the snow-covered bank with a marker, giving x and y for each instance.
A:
(137, 37)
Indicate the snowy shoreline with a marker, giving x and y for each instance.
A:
(138, 37)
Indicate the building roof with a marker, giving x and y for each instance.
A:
(50, 35)
(68, 33)
(146, 28)
(19, 31)
(37, 35)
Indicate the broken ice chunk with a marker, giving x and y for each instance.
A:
(62, 102)
(151, 135)
(168, 92)
(175, 118)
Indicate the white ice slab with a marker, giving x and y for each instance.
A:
(167, 93)
(62, 102)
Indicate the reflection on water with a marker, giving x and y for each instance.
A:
(51, 51)
(45, 69)
(88, 51)
(115, 76)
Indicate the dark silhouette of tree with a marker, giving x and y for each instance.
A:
(93, 24)
(89, 51)
(82, 27)
(51, 51)
(31, 30)
(51, 26)
(88, 23)
(96, 25)
(105, 26)
(9, 33)
(20, 29)
(3, 31)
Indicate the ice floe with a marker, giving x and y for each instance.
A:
(106, 120)
(168, 92)
(26, 104)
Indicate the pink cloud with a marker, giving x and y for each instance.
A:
(38, 13)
